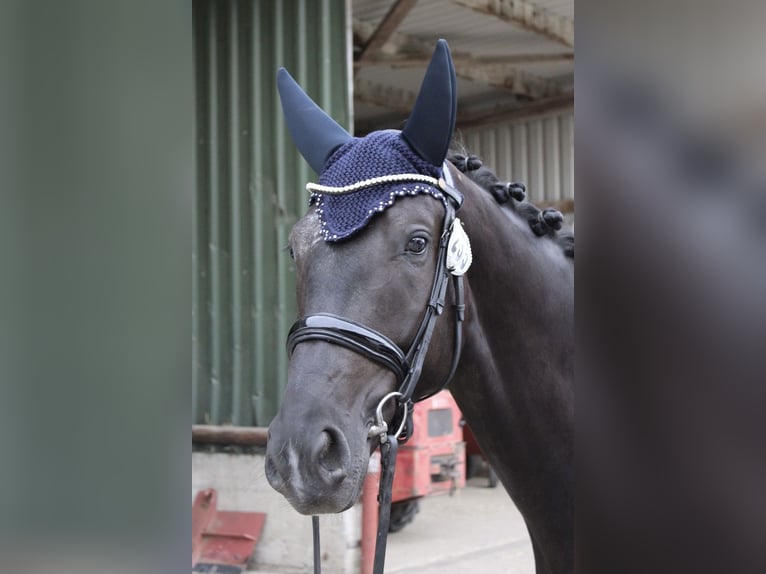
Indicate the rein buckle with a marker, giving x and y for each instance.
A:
(380, 427)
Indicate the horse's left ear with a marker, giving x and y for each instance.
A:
(429, 129)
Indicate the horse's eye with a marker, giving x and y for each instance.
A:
(290, 251)
(417, 244)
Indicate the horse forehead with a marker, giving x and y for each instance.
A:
(307, 232)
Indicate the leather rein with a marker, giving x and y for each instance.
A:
(407, 366)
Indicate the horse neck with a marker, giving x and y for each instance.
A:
(521, 290)
(516, 371)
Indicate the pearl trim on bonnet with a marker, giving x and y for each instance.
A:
(318, 190)
(331, 190)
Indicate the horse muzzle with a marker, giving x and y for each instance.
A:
(311, 469)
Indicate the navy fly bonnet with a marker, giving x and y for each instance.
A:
(383, 152)
(357, 176)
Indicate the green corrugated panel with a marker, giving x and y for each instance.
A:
(250, 192)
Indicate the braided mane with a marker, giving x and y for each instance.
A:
(543, 223)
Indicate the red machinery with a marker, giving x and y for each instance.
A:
(432, 461)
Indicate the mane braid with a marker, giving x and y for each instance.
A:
(543, 222)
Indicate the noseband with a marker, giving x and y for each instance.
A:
(352, 335)
(373, 345)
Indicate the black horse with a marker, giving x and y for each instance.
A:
(370, 255)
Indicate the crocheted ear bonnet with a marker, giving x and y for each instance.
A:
(379, 155)
(359, 177)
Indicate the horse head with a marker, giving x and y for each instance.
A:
(366, 255)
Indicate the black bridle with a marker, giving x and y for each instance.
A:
(407, 366)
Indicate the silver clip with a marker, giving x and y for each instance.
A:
(380, 427)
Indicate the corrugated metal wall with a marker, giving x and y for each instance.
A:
(250, 191)
(538, 152)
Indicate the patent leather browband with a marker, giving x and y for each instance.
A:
(346, 333)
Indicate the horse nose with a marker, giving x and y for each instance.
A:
(331, 453)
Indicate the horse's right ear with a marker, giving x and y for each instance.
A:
(315, 134)
(429, 129)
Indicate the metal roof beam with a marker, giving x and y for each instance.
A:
(502, 76)
(421, 60)
(384, 96)
(396, 43)
(479, 116)
(386, 28)
(527, 16)
(493, 116)
(516, 81)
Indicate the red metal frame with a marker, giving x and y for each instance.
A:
(433, 460)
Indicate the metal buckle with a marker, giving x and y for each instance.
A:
(380, 427)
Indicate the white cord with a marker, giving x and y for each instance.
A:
(317, 188)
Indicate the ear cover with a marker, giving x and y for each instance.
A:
(315, 134)
(429, 129)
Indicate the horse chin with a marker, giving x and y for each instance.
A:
(309, 495)
(339, 499)
(330, 505)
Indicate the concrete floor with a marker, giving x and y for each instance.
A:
(476, 530)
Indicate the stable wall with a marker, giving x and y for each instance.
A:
(250, 191)
(538, 152)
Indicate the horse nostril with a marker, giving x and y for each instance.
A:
(332, 454)
(273, 476)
